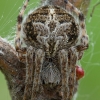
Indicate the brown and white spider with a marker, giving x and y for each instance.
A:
(52, 39)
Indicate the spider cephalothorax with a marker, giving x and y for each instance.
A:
(53, 41)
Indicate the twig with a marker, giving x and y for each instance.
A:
(13, 70)
(94, 8)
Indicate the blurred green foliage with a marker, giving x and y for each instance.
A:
(89, 86)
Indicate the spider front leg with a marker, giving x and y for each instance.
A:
(29, 73)
(68, 61)
(63, 57)
(39, 57)
(72, 71)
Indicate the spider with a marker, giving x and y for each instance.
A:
(50, 40)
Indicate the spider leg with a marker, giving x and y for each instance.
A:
(39, 56)
(29, 73)
(72, 73)
(68, 72)
(63, 55)
(84, 37)
(19, 22)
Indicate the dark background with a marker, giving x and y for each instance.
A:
(89, 86)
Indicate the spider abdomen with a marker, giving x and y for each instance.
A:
(48, 24)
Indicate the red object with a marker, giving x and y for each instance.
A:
(79, 72)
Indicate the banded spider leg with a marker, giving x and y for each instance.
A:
(21, 50)
(67, 62)
(72, 71)
(33, 70)
(39, 56)
(29, 73)
(63, 57)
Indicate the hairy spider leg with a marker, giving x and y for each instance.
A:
(19, 22)
(29, 73)
(68, 72)
(63, 57)
(39, 57)
(72, 72)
